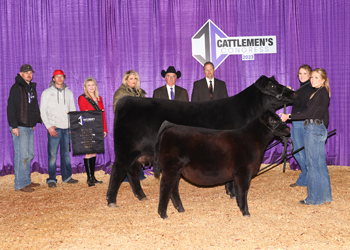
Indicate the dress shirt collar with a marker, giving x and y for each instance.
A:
(212, 82)
(168, 89)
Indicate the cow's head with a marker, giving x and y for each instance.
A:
(274, 123)
(276, 93)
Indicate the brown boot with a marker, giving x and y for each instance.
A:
(33, 185)
(27, 189)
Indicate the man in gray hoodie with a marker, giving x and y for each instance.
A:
(56, 102)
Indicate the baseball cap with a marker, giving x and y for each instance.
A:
(57, 72)
(26, 68)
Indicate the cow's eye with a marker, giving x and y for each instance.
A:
(273, 86)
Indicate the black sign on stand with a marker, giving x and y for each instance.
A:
(86, 132)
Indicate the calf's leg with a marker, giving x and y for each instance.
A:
(175, 197)
(230, 189)
(167, 184)
(242, 183)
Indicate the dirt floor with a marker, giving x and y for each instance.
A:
(74, 216)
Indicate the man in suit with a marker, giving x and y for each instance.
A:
(208, 88)
(170, 90)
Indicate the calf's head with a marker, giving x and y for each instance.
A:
(274, 123)
(275, 92)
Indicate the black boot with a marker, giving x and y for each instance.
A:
(92, 167)
(90, 180)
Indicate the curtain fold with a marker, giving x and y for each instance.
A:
(105, 38)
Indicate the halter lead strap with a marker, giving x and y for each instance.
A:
(273, 129)
(278, 96)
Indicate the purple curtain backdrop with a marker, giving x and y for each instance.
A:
(105, 38)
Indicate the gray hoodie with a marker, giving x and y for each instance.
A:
(55, 103)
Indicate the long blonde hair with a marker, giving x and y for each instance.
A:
(91, 79)
(323, 74)
(126, 76)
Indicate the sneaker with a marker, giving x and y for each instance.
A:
(27, 189)
(72, 181)
(33, 185)
(52, 185)
(303, 202)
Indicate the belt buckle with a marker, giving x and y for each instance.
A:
(317, 121)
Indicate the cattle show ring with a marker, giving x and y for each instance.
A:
(175, 125)
(207, 216)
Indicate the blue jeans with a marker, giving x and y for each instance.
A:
(24, 153)
(142, 176)
(298, 140)
(61, 140)
(318, 182)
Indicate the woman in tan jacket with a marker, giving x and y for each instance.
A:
(130, 87)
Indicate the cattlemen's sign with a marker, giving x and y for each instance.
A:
(239, 45)
(210, 43)
(87, 132)
(246, 46)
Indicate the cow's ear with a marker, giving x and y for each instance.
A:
(273, 78)
(261, 82)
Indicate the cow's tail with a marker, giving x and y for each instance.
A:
(156, 168)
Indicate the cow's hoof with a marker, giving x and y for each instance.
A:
(164, 217)
(181, 210)
(113, 205)
(246, 215)
(232, 196)
(143, 198)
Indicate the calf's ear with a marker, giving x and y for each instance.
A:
(273, 78)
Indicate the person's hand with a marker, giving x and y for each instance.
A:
(284, 117)
(33, 128)
(104, 134)
(15, 131)
(52, 131)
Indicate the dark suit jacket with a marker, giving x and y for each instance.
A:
(200, 90)
(180, 93)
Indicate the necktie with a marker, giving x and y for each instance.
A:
(211, 90)
(171, 94)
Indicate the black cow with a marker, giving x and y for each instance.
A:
(137, 121)
(207, 157)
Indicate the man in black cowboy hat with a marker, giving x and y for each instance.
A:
(170, 91)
